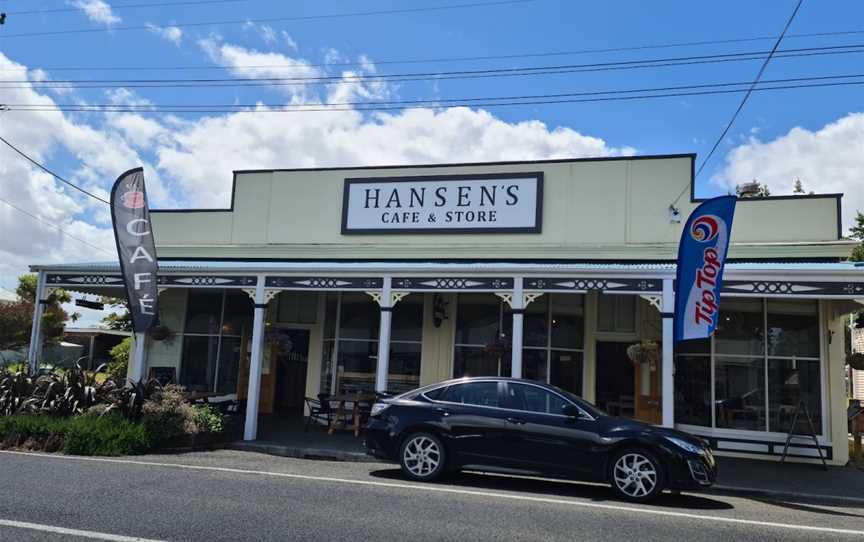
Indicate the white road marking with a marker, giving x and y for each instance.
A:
(72, 532)
(452, 490)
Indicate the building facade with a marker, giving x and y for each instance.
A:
(347, 280)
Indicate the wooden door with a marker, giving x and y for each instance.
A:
(647, 404)
(268, 380)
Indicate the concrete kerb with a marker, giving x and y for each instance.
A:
(297, 452)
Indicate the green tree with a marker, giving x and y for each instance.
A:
(798, 188)
(16, 317)
(120, 321)
(857, 232)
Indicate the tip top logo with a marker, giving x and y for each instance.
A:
(134, 199)
(705, 228)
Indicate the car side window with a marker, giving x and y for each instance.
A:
(472, 393)
(534, 399)
(435, 394)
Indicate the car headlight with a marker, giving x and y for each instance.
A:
(686, 446)
(378, 408)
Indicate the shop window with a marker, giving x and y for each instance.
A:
(740, 327)
(553, 339)
(297, 308)
(739, 393)
(693, 389)
(350, 349)
(215, 322)
(616, 313)
(762, 361)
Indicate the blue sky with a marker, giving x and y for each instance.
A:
(656, 126)
(815, 134)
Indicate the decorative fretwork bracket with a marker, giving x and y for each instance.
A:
(527, 297)
(395, 297)
(655, 301)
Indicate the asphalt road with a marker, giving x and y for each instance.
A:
(228, 495)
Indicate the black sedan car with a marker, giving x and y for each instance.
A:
(524, 427)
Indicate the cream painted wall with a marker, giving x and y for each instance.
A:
(591, 209)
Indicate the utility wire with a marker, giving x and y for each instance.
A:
(126, 6)
(431, 76)
(450, 59)
(324, 108)
(56, 227)
(437, 101)
(745, 97)
(49, 172)
(274, 19)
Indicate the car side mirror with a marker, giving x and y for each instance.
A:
(572, 411)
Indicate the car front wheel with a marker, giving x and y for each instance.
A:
(422, 457)
(636, 475)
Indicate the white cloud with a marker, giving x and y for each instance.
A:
(830, 159)
(188, 162)
(97, 11)
(204, 154)
(289, 41)
(171, 33)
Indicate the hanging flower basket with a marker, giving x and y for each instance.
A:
(856, 360)
(160, 333)
(645, 351)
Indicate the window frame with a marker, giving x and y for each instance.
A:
(337, 338)
(547, 348)
(822, 437)
(221, 333)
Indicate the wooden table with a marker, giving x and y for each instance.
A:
(356, 398)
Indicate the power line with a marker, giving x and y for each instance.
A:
(746, 95)
(452, 59)
(275, 19)
(329, 109)
(49, 172)
(434, 76)
(56, 227)
(126, 6)
(436, 101)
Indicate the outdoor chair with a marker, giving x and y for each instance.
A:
(319, 410)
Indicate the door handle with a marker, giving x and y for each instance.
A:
(516, 421)
(443, 411)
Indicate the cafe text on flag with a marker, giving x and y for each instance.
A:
(701, 256)
(136, 248)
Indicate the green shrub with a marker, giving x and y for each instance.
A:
(36, 432)
(82, 435)
(105, 435)
(167, 415)
(208, 419)
(119, 365)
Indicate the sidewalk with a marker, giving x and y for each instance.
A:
(790, 481)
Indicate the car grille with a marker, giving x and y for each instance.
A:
(698, 472)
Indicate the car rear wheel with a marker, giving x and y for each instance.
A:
(636, 475)
(422, 457)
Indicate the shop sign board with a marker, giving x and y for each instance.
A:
(487, 203)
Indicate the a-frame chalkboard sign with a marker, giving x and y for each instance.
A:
(800, 410)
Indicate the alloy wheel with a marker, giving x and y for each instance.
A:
(635, 475)
(421, 456)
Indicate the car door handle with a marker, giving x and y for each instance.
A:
(516, 421)
(443, 411)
